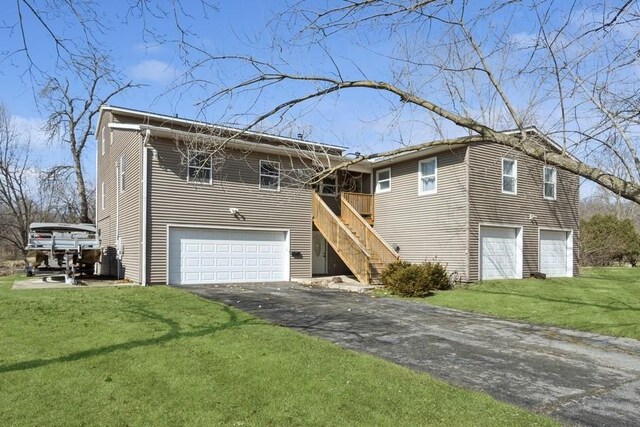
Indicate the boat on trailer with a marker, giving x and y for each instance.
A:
(58, 248)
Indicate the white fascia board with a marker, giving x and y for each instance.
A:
(415, 154)
(328, 160)
(212, 126)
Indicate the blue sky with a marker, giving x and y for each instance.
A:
(363, 121)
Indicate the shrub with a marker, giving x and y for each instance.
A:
(415, 280)
(606, 240)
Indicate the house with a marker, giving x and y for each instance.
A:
(185, 202)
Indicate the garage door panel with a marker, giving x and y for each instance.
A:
(199, 256)
(499, 253)
(553, 253)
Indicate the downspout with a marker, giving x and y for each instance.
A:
(145, 160)
(95, 212)
(118, 248)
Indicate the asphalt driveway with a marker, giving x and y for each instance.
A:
(575, 377)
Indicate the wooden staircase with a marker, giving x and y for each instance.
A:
(359, 246)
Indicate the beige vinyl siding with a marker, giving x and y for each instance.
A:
(489, 205)
(127, 217)
(129, 145)
(431, 226)
(105, 218)
(172, 200)
(107, 258)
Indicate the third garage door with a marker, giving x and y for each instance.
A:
(553, 253)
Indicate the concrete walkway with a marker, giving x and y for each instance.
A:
(575, 377)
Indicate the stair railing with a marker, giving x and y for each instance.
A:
(361, 202)
(341, 239)
(373, 242)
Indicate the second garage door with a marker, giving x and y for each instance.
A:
(499, 253)
(553, 253)
(202, 256)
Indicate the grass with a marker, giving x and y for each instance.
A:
(160, 356)
(601, 300)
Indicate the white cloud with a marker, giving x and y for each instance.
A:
(31, 129)
(154, 71)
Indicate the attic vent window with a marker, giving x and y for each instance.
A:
(269, 175)
(200, 167)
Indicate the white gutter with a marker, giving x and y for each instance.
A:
(145, 191)
(323, 157)
(164, 118)
(123, 126)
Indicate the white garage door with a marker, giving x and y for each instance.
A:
(201, 256)
(553, 253)
(499, 253)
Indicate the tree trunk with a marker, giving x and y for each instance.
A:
(82, 190)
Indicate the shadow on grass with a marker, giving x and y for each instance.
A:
(175, 332)
(617, 306)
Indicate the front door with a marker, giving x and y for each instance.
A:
(318, 254)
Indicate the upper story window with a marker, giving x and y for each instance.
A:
(269, 175)
(121, 174)
(428, 176)
(200, 167)
(509, 176)
(383, 180)
(329, 185)
(102, 196)
(103, 140)
(550, 177)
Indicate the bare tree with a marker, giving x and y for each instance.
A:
(17, 180)
(73, 106)
(460, 65)
(569, 68)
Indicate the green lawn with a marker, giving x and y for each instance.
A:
(160, 356)
(602, 300)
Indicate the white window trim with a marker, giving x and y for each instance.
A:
(420, 176)
(515, 176)
(189, 153)
(110, 136)
(260, 175)
(121, 175)
(103, 141)
(555, 183)
(102, 195)
(378, 180)
(322, 186)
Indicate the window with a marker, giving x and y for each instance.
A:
(509, 176)
(550, 176)
(103, 140)
(383, 180)
(121, 174)
(329, 185)
(269, 175)
(102, 196)
(428, 176)
(200, 167)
